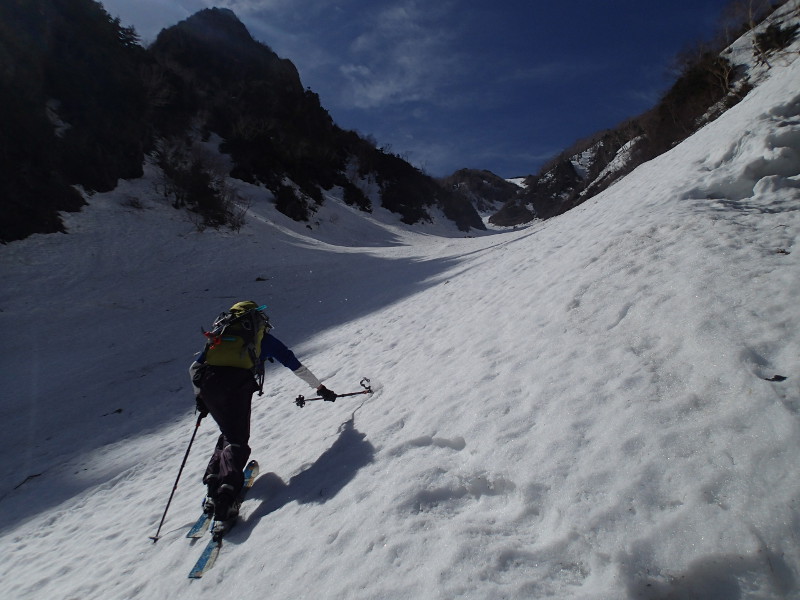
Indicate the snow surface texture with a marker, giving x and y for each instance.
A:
(584, 408)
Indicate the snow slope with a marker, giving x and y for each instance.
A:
(579, 409)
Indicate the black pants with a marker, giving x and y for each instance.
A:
(227, 393)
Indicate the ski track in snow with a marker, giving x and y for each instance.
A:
(576, 409)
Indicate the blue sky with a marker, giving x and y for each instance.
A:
(501, 85)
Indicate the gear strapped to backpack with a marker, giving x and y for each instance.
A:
(235, 338)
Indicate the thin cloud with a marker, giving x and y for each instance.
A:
(245, 7)
(402, 55)
(299, 11)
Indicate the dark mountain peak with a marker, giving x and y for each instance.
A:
(216, 25)
(214, 31)
(222, 12)
(217, 45)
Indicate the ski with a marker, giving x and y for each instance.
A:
(219, 528)
(200, 526)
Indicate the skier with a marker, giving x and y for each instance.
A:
(226, 393)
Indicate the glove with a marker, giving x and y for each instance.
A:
(201, 407)
(326, 394)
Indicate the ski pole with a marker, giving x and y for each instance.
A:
(156, 537)
(301, 400)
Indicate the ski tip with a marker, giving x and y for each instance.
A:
(251, 470)
(206, 560)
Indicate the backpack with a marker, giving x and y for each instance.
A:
(235, 338)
